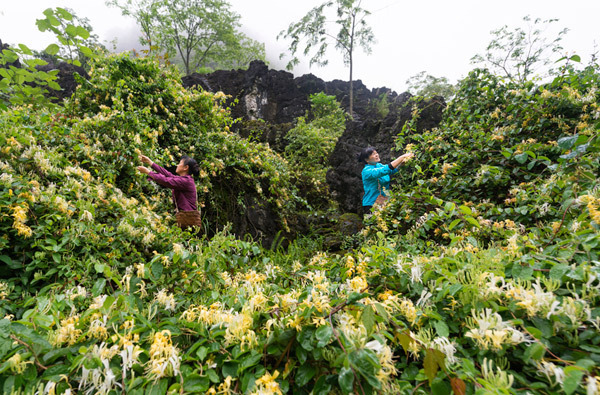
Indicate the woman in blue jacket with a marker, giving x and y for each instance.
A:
(375, 176)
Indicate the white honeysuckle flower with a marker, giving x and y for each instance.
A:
(375, 346)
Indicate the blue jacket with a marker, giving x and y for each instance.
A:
(375, 177)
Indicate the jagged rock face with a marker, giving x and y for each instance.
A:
(278, 99)
(271, 95)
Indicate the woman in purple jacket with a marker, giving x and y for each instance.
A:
(182, 184)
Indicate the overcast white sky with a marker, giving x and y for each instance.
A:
(438, 36)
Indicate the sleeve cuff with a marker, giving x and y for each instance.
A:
(391, 167)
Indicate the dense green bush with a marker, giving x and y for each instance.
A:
(309, 145)
(480, 276)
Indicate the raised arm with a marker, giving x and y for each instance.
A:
(160, 170)
(173, 182)
(401, 159)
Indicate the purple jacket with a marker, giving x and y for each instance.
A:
(184, 187)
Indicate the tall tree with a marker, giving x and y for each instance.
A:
(520, 53)
(199, 33)
(144, 12)
(349, 32)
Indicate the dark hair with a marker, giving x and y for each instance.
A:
(364, 154)
(193, 167)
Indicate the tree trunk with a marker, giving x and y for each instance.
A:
(351, 88)
(351, 50)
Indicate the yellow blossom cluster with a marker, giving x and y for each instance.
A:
(408, 310)
(166, 300)
(84, 174)
(16, 363)
(490, 332)
(446, 167)
(357, 284)
(593, 204)
(4, 290)
(317, 299)
(164, 357)
(533, 299)
(67, 332)
(238, 324)
(20, 217)
(266, 385)
(97, 328)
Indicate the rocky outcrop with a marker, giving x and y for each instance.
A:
(260, 94)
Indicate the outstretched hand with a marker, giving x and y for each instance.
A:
(406, 157)
(143, 169)
(145, 160)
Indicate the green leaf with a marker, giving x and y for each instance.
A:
(453, 224)
(466, 210)
(430, 365)
(304, 374)
(440, 387)
(196, 383)
(25, 49)
(9, 262)
(230, 369)
(54, 85)
(405, 341)
(473, 221)
(575, 58)
(346, 380)
(441, 328)
(368, 319)
(250, 361)
(324, 334)
(536, 352)
(86, 52)
(567, 143)
(159, 388)
(213, 376)
(521, 158)
(157, 269)
(322, 387)
(201, 353)
(305, 338)
(558, 271)
(71, 30)
(573, 376)
(83, 33)
(367, 364)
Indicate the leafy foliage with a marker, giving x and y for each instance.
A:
(22, 81)
(522, 53)
(310, 143)
(77, 43)
(426, 85)
(353, 32)
(200, 34)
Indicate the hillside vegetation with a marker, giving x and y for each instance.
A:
(480, 276)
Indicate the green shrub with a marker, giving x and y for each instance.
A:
(311, 142)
